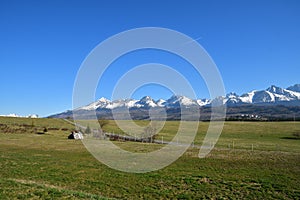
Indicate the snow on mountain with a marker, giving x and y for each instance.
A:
(295, 94)
(218, 101)
(271, 95)
(263, 97)
(100, 103)
(178, 100)
(232, 99)
(10, 115)
(127, 103)
(203, 102)
(146, 102)
(232, 95)
(276, 90)
(247, 98)
(282, 94)
(15, 115)
(160, 102)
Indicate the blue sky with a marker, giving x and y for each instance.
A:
(43, 43)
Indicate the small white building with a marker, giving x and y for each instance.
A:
(76, 136)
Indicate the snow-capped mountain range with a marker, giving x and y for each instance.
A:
(15, 115)
(145, 102)
(272, 95)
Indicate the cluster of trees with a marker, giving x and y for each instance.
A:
(150, 133)
(102, 123)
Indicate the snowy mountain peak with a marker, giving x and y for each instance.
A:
(160, 102)
(177, 100)
(175, 97)
(272, 95)
(102, 99)
(146, 98)
(146, 102)
(203, 102)
(15, 115)
(275, 89)
(232, 95)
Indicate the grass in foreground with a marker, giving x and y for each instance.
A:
(267, 136)
(51, 167)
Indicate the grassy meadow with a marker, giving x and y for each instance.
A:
(252, 160)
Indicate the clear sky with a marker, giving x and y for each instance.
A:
(43, 43)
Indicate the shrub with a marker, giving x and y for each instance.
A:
(88, 130)
(297, 135)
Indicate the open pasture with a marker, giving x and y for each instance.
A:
(252, 160)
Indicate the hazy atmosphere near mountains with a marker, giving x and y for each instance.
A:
(255, 44)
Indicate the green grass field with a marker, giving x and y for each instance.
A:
(264, 164)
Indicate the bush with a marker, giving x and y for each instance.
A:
(88, 130)
(297, 135)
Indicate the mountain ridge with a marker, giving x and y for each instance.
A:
(272, 96)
